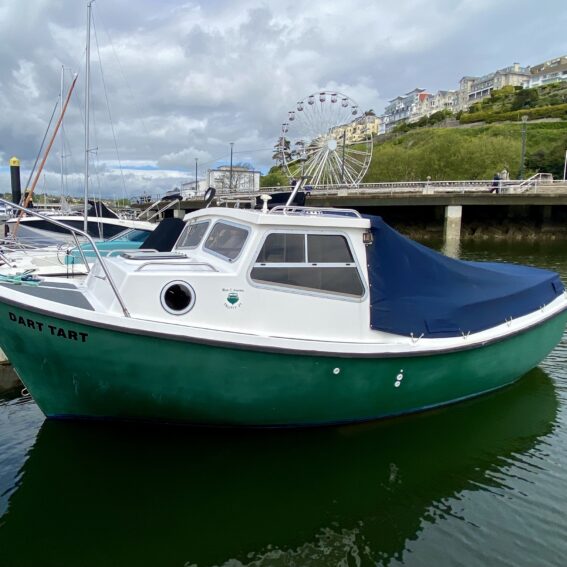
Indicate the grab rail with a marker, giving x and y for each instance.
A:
(286, 210)
(124, 250)
(75, 231)
(175, 263)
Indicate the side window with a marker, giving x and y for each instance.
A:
(226, 240)
(280, 248)
(329, 266)
(193, 234)
(328, 248)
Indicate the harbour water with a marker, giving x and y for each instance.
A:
(475, 484)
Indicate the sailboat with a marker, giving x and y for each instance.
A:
(97, 220)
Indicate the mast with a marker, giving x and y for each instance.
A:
(61, 115)
(87, 119)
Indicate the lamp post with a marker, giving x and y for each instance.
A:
(196, 165)
(230, 176)
(524, 135)
(565, 166)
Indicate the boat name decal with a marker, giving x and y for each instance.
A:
(53, 330)
(232, 300)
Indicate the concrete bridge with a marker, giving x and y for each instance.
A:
(451, 197)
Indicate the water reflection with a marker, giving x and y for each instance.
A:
(91, 494)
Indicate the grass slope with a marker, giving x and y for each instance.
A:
(468, 153)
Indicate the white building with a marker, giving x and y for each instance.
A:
(430, 104)
(403, 108)
(551, 71)
(239, 179)
(476, 88)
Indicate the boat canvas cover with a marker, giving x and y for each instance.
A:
(417, 291)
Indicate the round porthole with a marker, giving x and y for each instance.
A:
(177, 297)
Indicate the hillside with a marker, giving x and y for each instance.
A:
(511, 103)
(469, 152)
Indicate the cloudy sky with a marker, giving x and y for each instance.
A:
(184, 79)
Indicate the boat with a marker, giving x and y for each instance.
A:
(102, 223)
(282, 317)
(17, 259)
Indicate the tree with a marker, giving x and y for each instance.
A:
(275, 178)
(526, 98)
(548, 160)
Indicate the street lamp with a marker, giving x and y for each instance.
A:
(230, 177)
(196, 185)
(524, 134)
(565, 166)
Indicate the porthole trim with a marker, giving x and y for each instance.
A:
(170, 310)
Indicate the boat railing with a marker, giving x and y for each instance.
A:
(326, 211)
(77, 232)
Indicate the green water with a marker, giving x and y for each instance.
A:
(477, 484)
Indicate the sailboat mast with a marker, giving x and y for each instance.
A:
(87, 108)
(61, 115)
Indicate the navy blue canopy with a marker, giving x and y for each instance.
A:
(415, 290)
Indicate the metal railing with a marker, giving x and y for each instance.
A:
(405, 187)
(534, 182)
(74, 232)
(148, 210)
(328, 211)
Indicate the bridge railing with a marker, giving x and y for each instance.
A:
(409, 187)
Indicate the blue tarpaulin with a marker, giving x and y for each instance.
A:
(416, 290)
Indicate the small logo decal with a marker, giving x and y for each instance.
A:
(233, 298)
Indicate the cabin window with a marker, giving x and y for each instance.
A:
(226, 240)
(193, 234)
(279, 247)
(320, 262)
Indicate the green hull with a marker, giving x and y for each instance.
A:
(75, 370)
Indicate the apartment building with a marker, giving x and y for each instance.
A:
(551, 71)
(476, 88)
(441, 100)
(418, 103)
(402, 108)
(360, 129)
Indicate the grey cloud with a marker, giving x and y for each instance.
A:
(185, 78)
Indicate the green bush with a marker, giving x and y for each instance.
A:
(557, 111)
(526, 98)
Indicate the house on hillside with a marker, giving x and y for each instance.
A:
(403, 108)
(551, 71)
(428, 105)
(360, 129)
(472, 89)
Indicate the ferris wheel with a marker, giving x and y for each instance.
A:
(325, 139)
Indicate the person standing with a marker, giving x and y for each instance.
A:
(495, 184)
